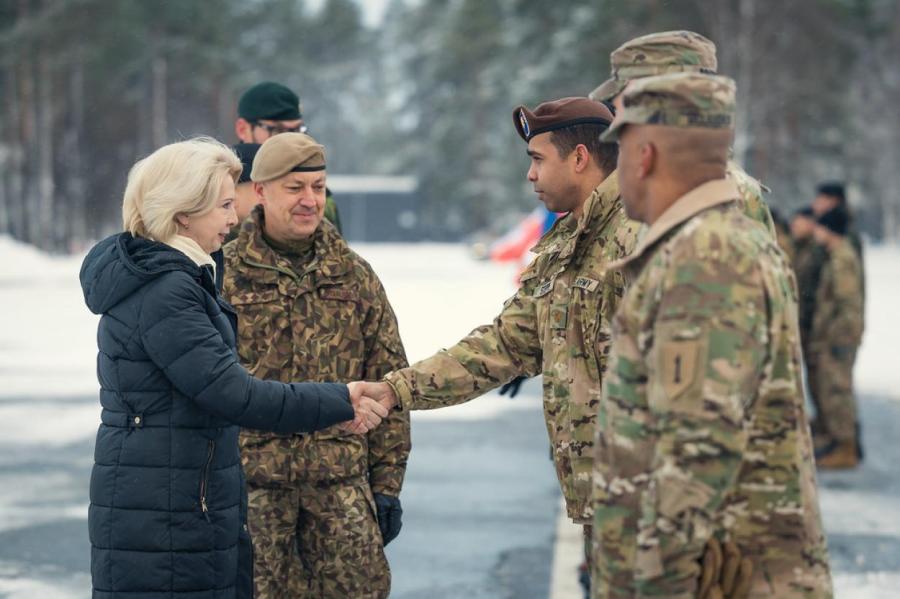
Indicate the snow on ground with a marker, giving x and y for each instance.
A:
(877, 369)
(48, 355)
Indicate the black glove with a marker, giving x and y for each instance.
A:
(390, 516)
(512, 387)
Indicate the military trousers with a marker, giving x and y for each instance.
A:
(830, 376)
(312, 517)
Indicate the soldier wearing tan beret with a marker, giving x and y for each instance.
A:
(321, 506)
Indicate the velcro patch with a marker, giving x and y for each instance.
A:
(544, 288)
(679, 365)
(586, 284)
(338, 293)
(559, 316)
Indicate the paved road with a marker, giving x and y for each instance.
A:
(480, 502)
(480, 506)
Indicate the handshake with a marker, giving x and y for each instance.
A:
(372, 402)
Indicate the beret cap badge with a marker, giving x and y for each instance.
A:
(524, 122)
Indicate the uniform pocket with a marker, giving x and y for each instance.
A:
(342, 457)
(335, 336)
(266, 458)
(264, 332)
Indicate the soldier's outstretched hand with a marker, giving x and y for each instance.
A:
(369, 412)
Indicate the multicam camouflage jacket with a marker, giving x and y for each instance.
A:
(751, 200)
(702, 430)
(838, 320)
(331, 322)
(558, 324)
(809, 257)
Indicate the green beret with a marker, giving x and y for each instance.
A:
(685, 100)
(656, 54)
(271, 101)
(285, 153)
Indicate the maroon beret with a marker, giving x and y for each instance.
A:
(557, 114)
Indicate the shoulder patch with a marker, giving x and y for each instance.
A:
(678, 368)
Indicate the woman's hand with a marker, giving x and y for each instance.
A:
(369, 412)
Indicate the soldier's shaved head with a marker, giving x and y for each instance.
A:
(659, 164)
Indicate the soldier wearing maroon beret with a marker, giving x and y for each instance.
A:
(558, 322)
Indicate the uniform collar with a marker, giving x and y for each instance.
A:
(332, 254)
(702, 197)
(598, 208)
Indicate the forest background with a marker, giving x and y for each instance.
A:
(423, 88)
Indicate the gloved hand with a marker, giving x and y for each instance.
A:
(724, 572)
(512, 387)
(390, 516)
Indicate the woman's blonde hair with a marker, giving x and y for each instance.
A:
(181, 178)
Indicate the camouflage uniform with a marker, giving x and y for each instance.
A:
(558, 324)
(835, 335)
(674, 52)
(751, 200)
(324, 317)
(809, 257)
(702, 427)
(702, 431)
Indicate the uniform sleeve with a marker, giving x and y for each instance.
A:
(752, 202)
(685, 450)
(389, 444)
(179, 337)
(847, 327)
(490, 356)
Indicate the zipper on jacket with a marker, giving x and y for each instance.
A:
(204, 478)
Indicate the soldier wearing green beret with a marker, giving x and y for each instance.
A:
(705, 481)
(321, 506)
(270, 108)
(678, 52)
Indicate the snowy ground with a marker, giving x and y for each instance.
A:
(48, 417)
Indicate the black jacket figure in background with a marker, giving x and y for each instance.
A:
(168, 503)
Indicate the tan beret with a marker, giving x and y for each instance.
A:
(684, 100)
(657, 54)
(285, 153)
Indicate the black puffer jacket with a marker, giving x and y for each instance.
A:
(168, 505)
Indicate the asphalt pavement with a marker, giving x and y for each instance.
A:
(480, 503)
(480, 507)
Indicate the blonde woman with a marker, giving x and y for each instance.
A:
(168, 506)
